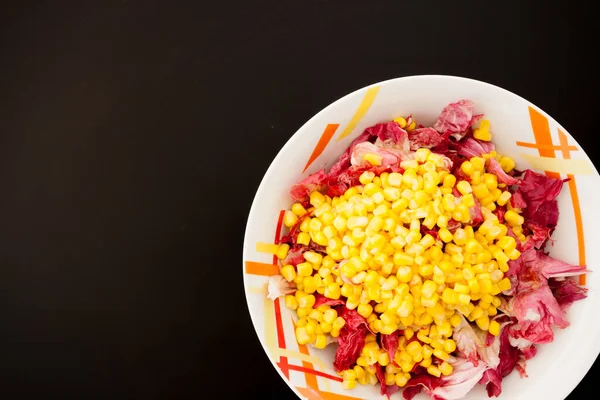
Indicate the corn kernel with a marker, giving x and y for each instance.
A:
(302, 336)
(384, 358)
(483, 322)
(449, 346)
(464, 187)
(298, 210)
(455, 320)
(304, 269)
(504, 284)
(407, 321)
(390, 283)
(349, 384)
(423, 336)
(445, 368)
(513, 218)
(507, 164)
(365, 310)
(366, 177)
(426, 362)
(445, 235)
(449, 181)
(464, 299)
(310, 284)
(289, 272)
(494, 328)
(291, 302)
(332, 291)
(405, 309)
(401, 380)
(441, 354)
(303, 238)
(433, 370)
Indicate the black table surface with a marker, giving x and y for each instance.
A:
(134, 134)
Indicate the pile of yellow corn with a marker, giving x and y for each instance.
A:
(380, 264)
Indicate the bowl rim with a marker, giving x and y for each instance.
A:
(584, 365)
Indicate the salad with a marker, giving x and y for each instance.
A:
(421, 255)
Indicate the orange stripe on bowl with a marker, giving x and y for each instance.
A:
(315, 372)
(545, 147)
(311, 380)
(281, 338)
(541, 132)
(312, 394)
(362, 109)
(263, 269)
(278, 232)
(576, 207)
(323, 142)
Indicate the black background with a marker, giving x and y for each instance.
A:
(134, 134)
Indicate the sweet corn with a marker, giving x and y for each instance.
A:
(426, 362)
(441, 354)
(414, 348)
(433, 370)
(507, 164)
(400, 121)
(303, 238)
(291, 302)
(513, 218)
(494, 328)
(349, 384)
(464, 187)
(504, 284)
(483, 322)
(401, 380)
(445, 368)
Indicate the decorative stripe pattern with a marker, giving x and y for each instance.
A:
(263, 269)
(559, 165)
(554, 167)
(323, 142)
(362, 109)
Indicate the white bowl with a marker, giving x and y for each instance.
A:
(558, 366)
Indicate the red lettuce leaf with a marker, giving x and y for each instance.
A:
(425, 137)
(419, 382)
(471, 147)
(390, 344)
(508, 354)
(539, 192)
(453, 225)
(494, 167)
(533, 303)
(529, 352)
(463, 378)
(567, 291)
(302, 190)
(499, 213)
(475, 213)
(321, 300)
(517, 200)
(539, 234)
(351, 339)
(381, 378)
(456, 118)
(493, 382)
(295, 253)
(389, 158)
